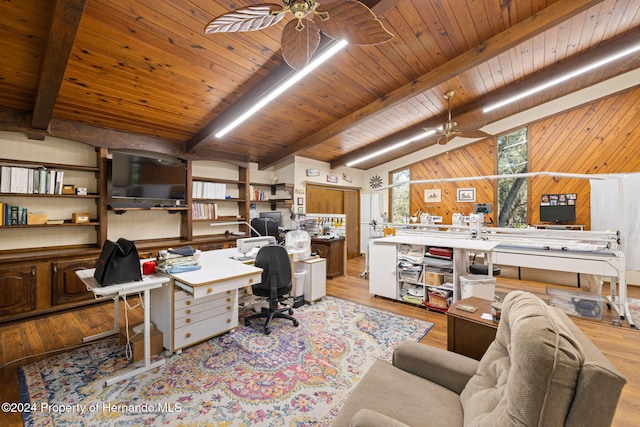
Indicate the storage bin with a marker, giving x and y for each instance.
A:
(477, 285)
(576, 303)
(438, 297)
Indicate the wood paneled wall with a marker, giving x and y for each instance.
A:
(602, 137)
(472, 160)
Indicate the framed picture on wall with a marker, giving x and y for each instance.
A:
(433, 195)
(313, 172)
(300, 201)
(466, 195)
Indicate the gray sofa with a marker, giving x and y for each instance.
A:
(541, 370)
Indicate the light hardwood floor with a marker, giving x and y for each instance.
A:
(621, 344)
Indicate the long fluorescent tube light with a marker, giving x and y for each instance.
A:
(290, 81)
(392, 147)
(563, 78)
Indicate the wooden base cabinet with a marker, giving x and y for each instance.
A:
(17, 289)
(66, 287)
(333, 251)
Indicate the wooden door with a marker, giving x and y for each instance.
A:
(352, 210)
(338, 200)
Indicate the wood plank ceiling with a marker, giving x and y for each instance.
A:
(139, 74)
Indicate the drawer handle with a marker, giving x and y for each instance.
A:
(228, 292)
(250, 281)
(188, 335)
(188, 311)
(189, 302)
(209, 290)
(188, 320)
(228, 320)
(228, 299)
(228, 308)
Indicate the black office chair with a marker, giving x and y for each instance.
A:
(276, 283)
(264, 226)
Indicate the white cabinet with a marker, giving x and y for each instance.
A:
(315, 278)
(383, 280)
(384, 262)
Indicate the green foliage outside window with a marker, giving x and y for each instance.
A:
(512, 192)
(399, 197)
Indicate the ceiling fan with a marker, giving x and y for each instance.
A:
(450, 129)
(349, 20)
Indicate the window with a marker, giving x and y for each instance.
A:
(399, 197)
(512, 192)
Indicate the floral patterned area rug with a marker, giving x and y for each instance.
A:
(292, 377)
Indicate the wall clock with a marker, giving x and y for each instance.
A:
(375, 182)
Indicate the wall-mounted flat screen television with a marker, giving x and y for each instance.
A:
(558, 214)
(146, 179)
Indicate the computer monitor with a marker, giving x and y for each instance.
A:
(558, 214)
(264, 226)
(274, 215)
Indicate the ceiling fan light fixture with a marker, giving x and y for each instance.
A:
(282, 87)
(563, 78)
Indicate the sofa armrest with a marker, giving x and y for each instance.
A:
(369, 418)
(448, 369)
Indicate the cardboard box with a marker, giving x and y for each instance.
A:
(33, 219)
(78, 218)
(137, 342)
(433, 279)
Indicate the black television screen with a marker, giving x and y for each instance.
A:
(558, 214)
(133, 176)
(276, 216)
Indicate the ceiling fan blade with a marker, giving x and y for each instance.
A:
(354, 22)
(298, 46)
(473, 134)
(251, 18)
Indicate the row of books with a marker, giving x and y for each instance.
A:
(258, 195)
(12, 215)
(23, 180)
(208, 190)
(204, 210)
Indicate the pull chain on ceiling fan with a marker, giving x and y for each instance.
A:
(349, 20)
(450, 128)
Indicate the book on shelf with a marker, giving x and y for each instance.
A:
(55, 221)
(30, 180)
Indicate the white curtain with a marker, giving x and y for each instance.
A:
(615, 206)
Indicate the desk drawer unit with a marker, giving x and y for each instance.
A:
(197, 319)
(220, 287)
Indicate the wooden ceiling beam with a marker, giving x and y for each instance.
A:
(62, 33)
(534, 25)
(277, 76)
(473, 110)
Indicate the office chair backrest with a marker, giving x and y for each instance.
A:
(275, 264)
(264, 226)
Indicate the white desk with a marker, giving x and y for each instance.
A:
(148, 283)
(203, 303)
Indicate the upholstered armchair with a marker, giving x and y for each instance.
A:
(541, 370)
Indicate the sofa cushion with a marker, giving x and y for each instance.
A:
(528, 374)
(402, 396)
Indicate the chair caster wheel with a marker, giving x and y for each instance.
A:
(296, 323)
(246, 322)
(267, 331)
(290, 311)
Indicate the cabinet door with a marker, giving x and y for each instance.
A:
(17, 289)
(65, 285)
(382, 264)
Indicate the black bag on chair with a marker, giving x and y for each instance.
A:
(118, 263)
